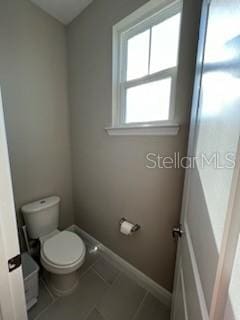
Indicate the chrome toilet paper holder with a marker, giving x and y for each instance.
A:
(135, 227)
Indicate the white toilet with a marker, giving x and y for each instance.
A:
(62, 252)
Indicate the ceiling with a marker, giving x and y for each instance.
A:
(63, 10)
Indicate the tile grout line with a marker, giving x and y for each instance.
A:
(88, 313)
(95, 262)
(95, 307)
(55, 298)
(100, 276)
(118, 273)
(44, 310)
(109, 285)
(84, 273)
(107, 260)
(48, 290)
(100, 313)
(52, 302)
(140, 305)
(117, 277)
(91, 267)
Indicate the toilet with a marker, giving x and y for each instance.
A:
(62, 252)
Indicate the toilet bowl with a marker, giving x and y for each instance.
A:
(62, 252)
(61, 256)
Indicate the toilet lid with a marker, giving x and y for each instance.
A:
(64, 248)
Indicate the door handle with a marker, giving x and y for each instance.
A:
(177, 232)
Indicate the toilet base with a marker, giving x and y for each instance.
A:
(62, 284)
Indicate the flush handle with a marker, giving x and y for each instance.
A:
(177, 232)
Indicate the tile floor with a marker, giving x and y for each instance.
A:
(104, 293)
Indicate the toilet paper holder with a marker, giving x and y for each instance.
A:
(135, 227)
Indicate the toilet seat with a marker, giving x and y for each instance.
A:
(64, 252)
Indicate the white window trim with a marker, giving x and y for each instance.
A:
(123, 29)
(163, 129)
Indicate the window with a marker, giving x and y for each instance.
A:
(145, 57)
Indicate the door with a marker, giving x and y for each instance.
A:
(210, 199)
(12, 298)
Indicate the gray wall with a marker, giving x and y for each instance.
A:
(110, 178)
(33, 77)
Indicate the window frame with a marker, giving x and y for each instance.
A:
(153, 13)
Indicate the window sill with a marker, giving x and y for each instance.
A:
(158, 130)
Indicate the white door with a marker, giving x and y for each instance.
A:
(12, 298)
(211, 184)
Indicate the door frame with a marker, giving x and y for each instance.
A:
(12, 295)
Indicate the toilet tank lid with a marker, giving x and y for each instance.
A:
(41, 204)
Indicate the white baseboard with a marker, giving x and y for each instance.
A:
(147, 283)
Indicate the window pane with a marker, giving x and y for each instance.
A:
(148, 102)
(164, 47)
(138, 55)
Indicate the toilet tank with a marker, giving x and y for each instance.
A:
(41, 217)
